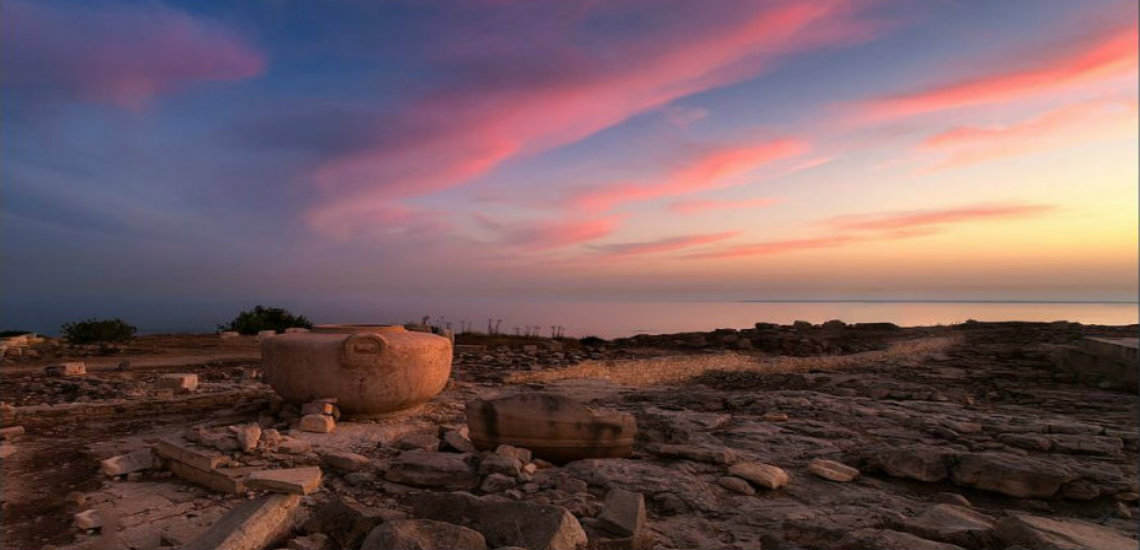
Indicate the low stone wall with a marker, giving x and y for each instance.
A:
(43, 416)
(1110, 361)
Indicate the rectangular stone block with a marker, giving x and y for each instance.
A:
(317, 423)
(11, 433)
(215, 480)
(251, 525)
(198, 458)
(296, 481)
(136, 461)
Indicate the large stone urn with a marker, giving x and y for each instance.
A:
(370, 369)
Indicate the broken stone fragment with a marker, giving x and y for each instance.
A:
(955, 524)
(764, 475)
(293, 445)
(433, 469)
(423, 534)
(326, 406)
(500, 464)
(247, 436)
(524, 456)
(178, 383)
(347, 523)
(552, 427)
(89, 519)
(295, 481)
(7, 450)
(76, 368)
(457, 441)
(736, 485)
(317, 423)
(832, 470)
(623, 513)
(418, 442)
(251, 525)
(315, 541)
(496, 483)
(142, 459)
(721, 455)
(345, 461)
(198, 458)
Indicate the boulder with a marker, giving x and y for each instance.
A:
(433, 469)
(247, 435)
(1041, 533)
(346, 523)
(1012, 475)
(505, 523)
(553, 427)
(423, 534)
(763, 475)
(918, 462)
(623, 513)
(458, 441)
(736, 485)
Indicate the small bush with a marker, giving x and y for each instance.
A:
(265, 318)
(96, 331)
(591, 341)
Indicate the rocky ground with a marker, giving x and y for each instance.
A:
(977, 442)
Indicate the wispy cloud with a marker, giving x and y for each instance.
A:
(1107, 55)
(1062, 127)
(696, 206)
(664, 245)
(544, 235)
(116, 53)
(888, 226)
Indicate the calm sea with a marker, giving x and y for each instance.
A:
(605, 319)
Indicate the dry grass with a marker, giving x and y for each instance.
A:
(679, 368)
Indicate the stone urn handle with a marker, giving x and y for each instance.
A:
(362, 350)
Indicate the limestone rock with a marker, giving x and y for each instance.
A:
(623, 513)
(418, 442)
(736, 485)
(423, 534)
(955, 524)
(344, 461)
(832, 470)
(918, 462)
(496, 483)
(76, 368)
(178, 383)
(317, 423)
(137, 461)
(433, 469)
(887, 539)
(1011, 475)
(505, 523)
(345, 522)
(764, 475)
(248, 435)
(1060, 534)
(296, 481)
(499, 464)
(458, 441)
(250, 525)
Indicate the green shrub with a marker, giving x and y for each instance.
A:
(265, 318)
(95, 331)
(591, 341)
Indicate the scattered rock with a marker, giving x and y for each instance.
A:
(832, 470)
(423, 534)
(433, 469)
(178, 383)
(296, 481)
(509, 523)
(77, 368)
(697, 454)
(89, 519)
(136, 461)
(623, 513)
(317, 423)
(887, 539)
(763, 475)
(496, 483)
(315, 541)
(248, 435)
(458, 441)
(736, 485)
(918, 462)
(251, 525)
(1011, 475)
(418, 442)
(345, 523)
(344, 461)
(955, 524)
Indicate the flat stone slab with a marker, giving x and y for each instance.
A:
(296, 481)
(1060, 534)
(764, 475)
(251, 525)
(198, 458)
(137, 461)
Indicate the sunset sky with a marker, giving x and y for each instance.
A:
(225, 150)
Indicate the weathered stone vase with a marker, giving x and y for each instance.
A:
(370, 369)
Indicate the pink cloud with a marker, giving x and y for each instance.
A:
(462, 133)
(1061, 127)
(1107, 56)
(696, 206)
(710, 170)
(889, 226)
(545, 235)
(117, 53)
(665, 245)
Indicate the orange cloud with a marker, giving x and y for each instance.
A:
(695, 206)
(708, 171)
(1106, 57)
(1057, 128)
(665, 245)
(848, 230)
(454, 136)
